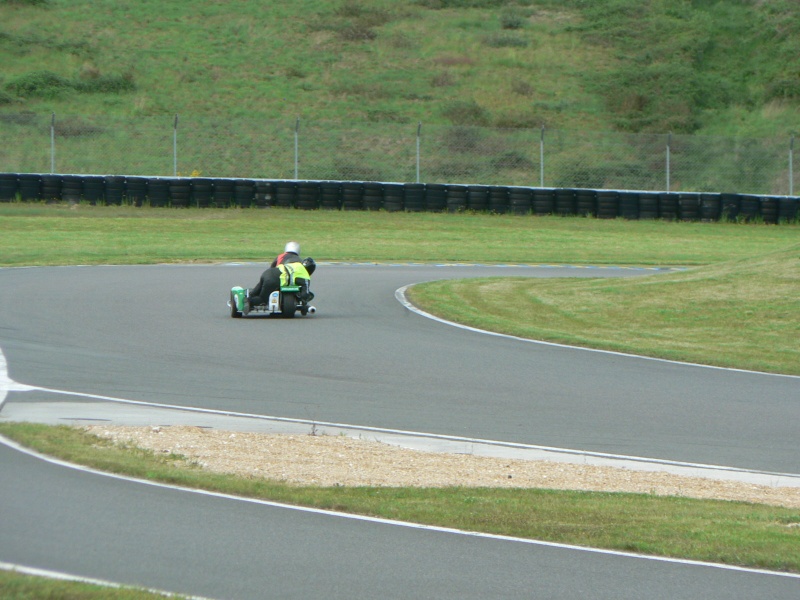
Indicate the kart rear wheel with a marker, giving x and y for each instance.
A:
(288, 305)
(234, 313)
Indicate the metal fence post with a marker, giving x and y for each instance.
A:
(419, 135)
(791, 166)
(53, 143)
(296, 147)
(669, 144)
(175, 147)
(541, 158)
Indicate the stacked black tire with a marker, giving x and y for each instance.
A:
(414, 197)
(629, 205)
(607, 204)
(586, 203)
(520, 200)
(30, 186)
(330, 195)
(565, 202)
(202, 192)
(478, 198)
(158, 192)
(543, 201)
(393, 197)
(224, 193)
(137, 190)
(308, 195)
(788, 209)
(352, 195)
(393, 194)
(372, 198)
(265, 194)
(244, 194)
(180, 192)
(9, 186)
(436, 197)
(457, 198)
(648, 205)
(91, 189)
(50, 188)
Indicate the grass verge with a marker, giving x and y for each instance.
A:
(724, 532)
(20, 586)
(41, 234)
(741, 313)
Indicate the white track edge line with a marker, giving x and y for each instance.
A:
(382, 521)
(60, 575)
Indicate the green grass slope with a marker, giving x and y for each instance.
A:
(724, 68)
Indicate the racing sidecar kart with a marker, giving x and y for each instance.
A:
(284, 302)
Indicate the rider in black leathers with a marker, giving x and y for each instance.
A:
(297, 271)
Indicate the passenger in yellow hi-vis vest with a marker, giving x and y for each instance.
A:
(290, 273)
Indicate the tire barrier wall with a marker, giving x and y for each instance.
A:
(203, 192)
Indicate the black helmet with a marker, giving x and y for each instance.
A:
(310, 265)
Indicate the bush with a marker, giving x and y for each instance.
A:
(76, 127)
(512, 160)
(463, 139)
(784, 88)
(364, 14)
(347, 170)
(6, 98)
(466, 112)
(356, 32)
(442, 4)
(40, 84)
(512, 18)
(656, 97)
(506, 40)
(112, 84)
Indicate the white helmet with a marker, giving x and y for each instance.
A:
(292, 247)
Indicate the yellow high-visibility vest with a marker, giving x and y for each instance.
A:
(292, 271)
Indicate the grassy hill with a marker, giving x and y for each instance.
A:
(717, 68)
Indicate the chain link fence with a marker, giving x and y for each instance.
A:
(392, 152)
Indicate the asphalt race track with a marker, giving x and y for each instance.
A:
(163, 334)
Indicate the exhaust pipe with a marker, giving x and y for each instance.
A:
(312, 310)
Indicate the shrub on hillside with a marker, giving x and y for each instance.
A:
(356, 32)
(457, 4)
(513, 18)
(40, 84)
(466, 112)
(113, 84)
(76, 127)
(784, 88)
(365, 14)
(505, 40)
(463, 139)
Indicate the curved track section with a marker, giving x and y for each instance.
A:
(162, 334)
